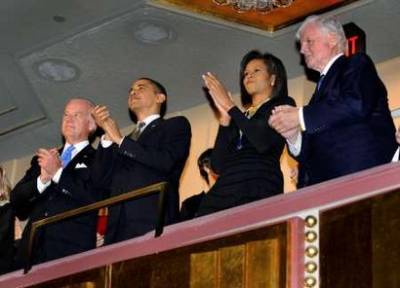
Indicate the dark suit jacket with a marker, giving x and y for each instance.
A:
(348, 123)
(75, 189)
(190, 206)
(158, 155)
(7, 220)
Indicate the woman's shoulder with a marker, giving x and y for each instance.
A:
(283, 100)
(286, 100)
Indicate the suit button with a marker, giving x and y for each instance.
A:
(46, 214)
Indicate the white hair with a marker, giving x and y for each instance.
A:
(327, 25)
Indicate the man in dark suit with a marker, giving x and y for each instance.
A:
(156, 151)
(53, 185)
(347, 126)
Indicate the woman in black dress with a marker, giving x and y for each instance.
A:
(247, 151)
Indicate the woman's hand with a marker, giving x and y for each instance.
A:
(221, 97)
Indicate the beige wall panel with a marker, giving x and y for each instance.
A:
(390, 74)
(204, 130)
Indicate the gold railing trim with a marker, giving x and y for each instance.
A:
(154, 188)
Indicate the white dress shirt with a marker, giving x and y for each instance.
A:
(396, 155)
(56, 178)
(107, 143)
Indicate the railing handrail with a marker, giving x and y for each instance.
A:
(148, 190)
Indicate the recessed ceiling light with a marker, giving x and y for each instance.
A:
(57, 70)
(153, 32)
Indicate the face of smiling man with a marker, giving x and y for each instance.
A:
(77, 122)
(317, 46)
(144, 98)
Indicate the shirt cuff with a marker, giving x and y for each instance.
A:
(301, 119)
(396, 155)
(42, 186)
(295, 147)
(105, 143)
(57, 176)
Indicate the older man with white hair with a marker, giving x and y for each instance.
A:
(347, 126)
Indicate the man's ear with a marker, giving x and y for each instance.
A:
(161, 98)
(92, 125)
(333, 39)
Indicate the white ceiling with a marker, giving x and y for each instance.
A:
(99, 39)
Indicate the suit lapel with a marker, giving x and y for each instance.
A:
(82, 156)
(150, 128)
(329, 80)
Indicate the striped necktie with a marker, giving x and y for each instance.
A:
(138, 129)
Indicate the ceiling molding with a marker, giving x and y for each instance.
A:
(19, 106)
(253, 21)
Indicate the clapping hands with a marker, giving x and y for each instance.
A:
(221, 97)
(49, 162)
(103, 119)
(285, 120)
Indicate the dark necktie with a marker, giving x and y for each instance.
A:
(138, 129)
(66, 156)
(321, 79)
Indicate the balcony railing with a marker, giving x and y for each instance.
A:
(341, 233)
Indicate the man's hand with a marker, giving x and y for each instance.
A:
(103, 119)
(112, 131)
(291, 135)
(285, 120)
(49, 162)
(398, 135)
(100, 114)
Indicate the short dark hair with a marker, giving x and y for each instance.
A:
(159, 89)
(204, 161)
(274, 67)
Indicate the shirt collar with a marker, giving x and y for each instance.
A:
(330, 63)
(78, 147)
(149, 119)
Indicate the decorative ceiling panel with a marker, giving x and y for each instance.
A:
(270, 22)
(19, 107)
